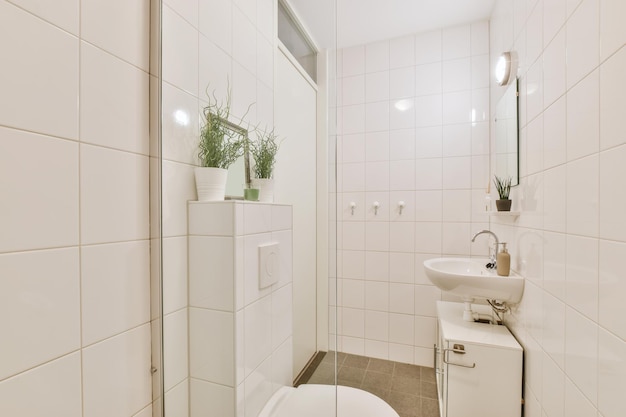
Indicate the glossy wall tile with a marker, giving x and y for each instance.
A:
(411, 109)
(570, 319)
(74, 251)
(42, 45)
(254, 324)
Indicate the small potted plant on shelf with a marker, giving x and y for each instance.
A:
(503, 186)
(263, 152)
(221, 144)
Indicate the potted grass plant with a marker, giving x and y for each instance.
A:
(263, 152)
(503, 186)
(220, 145)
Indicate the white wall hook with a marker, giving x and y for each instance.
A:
(376, 206)
(352, 207)
(401, 205)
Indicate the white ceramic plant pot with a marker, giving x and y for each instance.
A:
(266, 189)
(210, 183)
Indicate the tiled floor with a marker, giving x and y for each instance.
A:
(411, 390)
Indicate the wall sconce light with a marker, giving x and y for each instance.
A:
(503, 68)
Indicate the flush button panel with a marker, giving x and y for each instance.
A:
(269, 265)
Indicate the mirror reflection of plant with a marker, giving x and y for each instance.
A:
(503, 186)
(264, 151)
(220, 145)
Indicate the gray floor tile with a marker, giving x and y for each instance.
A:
(405, 385)
(330, 357)
(429, 407)
(428, 390)
(321, 379)
(407, 370)
(348, 383)
(377, 391)
(356, 361)
(377, 379)
(324, 374)
(380, 365)
(428, 374)
(354, 376)
(411, 390)
(404, 404)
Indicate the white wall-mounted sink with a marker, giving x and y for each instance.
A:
(469, 278)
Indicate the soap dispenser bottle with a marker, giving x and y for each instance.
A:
(503, 261)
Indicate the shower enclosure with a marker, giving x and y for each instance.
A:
(228, 50)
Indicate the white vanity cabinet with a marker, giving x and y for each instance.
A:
(478, 366)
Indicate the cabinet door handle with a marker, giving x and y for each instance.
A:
(456, 350)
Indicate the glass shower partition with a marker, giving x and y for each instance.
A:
(196, 51)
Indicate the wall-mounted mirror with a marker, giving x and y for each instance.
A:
(239, 172)
(507, 136)
(236, 179)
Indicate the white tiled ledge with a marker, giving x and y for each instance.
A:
(237, 217)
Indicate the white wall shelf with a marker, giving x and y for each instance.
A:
(512, 214)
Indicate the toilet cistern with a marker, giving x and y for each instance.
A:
(492, 255)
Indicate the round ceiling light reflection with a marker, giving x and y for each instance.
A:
(403, 105)
(503, 68)
(181, 117)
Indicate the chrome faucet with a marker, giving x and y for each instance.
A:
(492, 255)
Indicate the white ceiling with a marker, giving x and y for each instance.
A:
(365, 21)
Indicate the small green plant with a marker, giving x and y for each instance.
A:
(220, 144)
(263, 152)
(503, 186)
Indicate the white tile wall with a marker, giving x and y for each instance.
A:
(130, 37)
(209, 396)
(114, 275)
(282, 320)
(257, 325)
(215, 67)
(611, 285)
(413, 97)
(41, 295)
(227, 46)
(64, 200)
(111, 87)
(244, 40)
(576, 404)
(244, 92)
(175, 349)
(211, 256)
(205, 345)
(177, 400)
(56, 386)
(611, 374)
(113, 207)
(29, 224)
(175, 281)
(180, 52)
(254, 327)
(64, 14)
(119, 366)
(583, 41)
(179, 187)
(216, 23)
(258, 389)
(577, 333)
(22, 85)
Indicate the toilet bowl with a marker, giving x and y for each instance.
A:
(311, 400)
